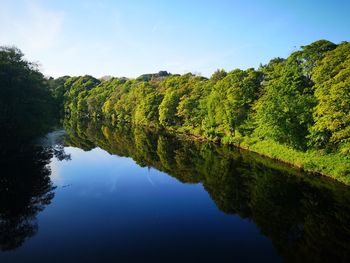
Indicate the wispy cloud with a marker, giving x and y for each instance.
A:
(31, 27)
(129, 38)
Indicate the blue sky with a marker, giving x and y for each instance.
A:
(129, 38)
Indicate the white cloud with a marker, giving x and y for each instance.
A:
(30, 26)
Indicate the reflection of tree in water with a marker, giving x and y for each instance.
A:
(305, 217)
(59, 153)
(25, 190)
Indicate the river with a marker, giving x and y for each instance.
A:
(95, 193)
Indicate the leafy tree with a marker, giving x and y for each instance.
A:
(168, 108)
(284, 111)
(77, 90)
(189, 108)
(27, 107)
(98, 96)
(309, 56)
(219, 74)
(146, 111)
(109, 107)
(332, 90)
(231, 99)
(58, 90)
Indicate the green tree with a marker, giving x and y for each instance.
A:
(189, 108)
(332, 90)
(77, 91)
(27, 107)
(284, 111)
(219, 74)
(146, 111)
(230, 101)
(309, 56)
(168, 108)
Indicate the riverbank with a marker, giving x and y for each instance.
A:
(330, 165)
(335, 166)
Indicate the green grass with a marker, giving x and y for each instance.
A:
(336, 166)
(332, 165)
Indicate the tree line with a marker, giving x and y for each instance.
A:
(302, 101)
(299, 104)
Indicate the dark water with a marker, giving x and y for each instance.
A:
(102, 194)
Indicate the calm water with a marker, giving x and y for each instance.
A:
(103, 194)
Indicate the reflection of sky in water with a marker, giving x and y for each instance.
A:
(108, 205)
(97, 171)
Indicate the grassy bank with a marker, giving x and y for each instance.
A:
(335, 166)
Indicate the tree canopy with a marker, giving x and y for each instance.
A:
(301, 101)
(27, 106)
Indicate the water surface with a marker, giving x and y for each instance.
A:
(105, 194)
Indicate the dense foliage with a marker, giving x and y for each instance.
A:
(301, 102)
(27, 106)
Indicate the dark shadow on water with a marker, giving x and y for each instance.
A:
(25, 188)
(306, 217)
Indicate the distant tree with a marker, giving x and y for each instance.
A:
(77, 91)
(219, 74)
